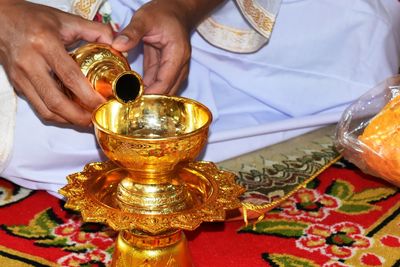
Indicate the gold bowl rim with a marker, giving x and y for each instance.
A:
(179, 98)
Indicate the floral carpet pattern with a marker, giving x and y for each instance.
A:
(320, 212)
(341, 218)
(347, 219)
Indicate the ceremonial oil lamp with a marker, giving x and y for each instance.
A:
(152, 188)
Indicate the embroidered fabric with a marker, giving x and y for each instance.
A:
(242, 27)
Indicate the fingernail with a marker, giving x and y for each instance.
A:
(121, 39)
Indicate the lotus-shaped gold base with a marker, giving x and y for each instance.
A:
(153, 239)
(152, 188)
(211, 192)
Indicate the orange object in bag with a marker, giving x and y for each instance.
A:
(382, 138)
(368, 134)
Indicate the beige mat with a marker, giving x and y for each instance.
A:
(272, 174)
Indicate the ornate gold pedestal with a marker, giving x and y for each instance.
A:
(152, 188)
(133, 249)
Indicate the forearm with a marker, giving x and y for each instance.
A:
(193, 11)
(199, 9)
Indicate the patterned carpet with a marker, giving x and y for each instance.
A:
(318, 215)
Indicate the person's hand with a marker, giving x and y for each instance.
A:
(33, 41)
(166, 45)
(164, 27)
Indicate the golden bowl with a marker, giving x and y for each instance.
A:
(153, 135)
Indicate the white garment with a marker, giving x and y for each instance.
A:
(245, 31)
(321, 56)
(7, 118)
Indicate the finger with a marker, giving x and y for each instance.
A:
(165, 79)
(169, 70)
(158, 88)
(181, 78)
(130, 36)
(82, 29)
(151, 63)
(72, 77)
(52, 96)
(24, 87)
(58, 103)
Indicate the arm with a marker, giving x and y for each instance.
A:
(164, 26)
(32, 50)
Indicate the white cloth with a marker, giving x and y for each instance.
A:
(7, 118)
(321, 56)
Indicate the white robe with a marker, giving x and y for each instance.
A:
(321, 56)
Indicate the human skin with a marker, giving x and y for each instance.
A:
(164, 26)
(33, 42)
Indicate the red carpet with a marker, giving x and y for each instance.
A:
(343, 218)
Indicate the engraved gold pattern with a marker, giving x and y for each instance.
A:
(225, 193)
(151, 185)
(165, 250)
(104, 66)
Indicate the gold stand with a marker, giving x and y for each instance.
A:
(138, 249)
(152, 188)
(152, 238)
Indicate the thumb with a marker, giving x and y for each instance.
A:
(129, 37)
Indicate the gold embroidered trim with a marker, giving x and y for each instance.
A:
(260, 18)
(261, 209)
(84, 8)
(231, 39)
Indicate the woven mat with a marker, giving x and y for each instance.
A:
(273, 174)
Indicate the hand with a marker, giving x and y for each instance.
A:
(164, 27)
(32, 50)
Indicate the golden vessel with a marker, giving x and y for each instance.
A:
(109, 73)
(152, 188)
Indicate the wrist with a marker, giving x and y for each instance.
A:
(194, 11)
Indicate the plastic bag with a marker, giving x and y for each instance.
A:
(368, 134)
